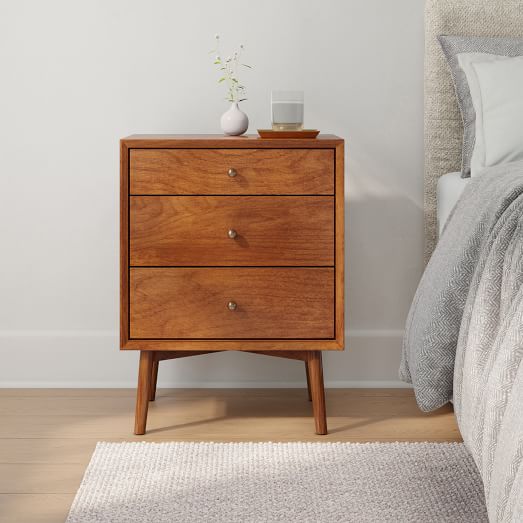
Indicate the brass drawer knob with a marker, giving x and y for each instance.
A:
(232, 172)
(232, 234)
(232, 306)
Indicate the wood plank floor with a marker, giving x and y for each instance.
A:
(48, 435)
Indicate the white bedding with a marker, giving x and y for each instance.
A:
(450, 187)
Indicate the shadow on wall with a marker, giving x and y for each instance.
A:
(384, 259)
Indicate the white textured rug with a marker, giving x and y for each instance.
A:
(287, 482)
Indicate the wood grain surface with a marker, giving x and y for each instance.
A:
(340, 244)
(124, 243)
(314, 374)
(245, 145)
(271, 303)
(243, 344)
(143, 391)
(193, 230)
(258, 171)
(220, 141)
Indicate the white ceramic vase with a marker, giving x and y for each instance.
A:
(234, 121)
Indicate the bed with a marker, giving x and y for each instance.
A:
(448, 190)
(464, 334)
(443, 128)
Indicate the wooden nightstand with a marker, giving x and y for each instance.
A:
(231, 244)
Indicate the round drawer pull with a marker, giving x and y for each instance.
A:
(232, 172)
(232, 306)
(232, 234)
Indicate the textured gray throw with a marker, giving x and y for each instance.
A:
(464, 334)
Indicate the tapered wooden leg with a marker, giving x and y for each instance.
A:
(143, 391)
(317, 392)
(154, 380)
(308, 380)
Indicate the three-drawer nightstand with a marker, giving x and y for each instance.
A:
(231, 244)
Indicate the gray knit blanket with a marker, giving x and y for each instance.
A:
(464, 333)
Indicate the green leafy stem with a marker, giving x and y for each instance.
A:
(229, 69)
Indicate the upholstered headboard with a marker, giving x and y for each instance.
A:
(443, 127)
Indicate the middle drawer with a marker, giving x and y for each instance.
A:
(231, 230)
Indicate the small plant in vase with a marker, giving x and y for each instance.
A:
(234, 122)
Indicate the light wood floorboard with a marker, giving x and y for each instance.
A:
(47, 436)
(34, 508)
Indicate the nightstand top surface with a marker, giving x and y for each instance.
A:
(222, 141)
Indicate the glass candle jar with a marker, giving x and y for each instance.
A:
(287, 110)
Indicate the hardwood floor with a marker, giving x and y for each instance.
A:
(48, 435)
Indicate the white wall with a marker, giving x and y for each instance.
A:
(75, 76)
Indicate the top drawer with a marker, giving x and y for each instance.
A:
(232, 171)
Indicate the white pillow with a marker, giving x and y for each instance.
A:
(501, 87)
(465, 60)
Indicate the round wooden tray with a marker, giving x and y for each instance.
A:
(304, 133)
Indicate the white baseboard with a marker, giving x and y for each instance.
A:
(91, 359)
(362, 384)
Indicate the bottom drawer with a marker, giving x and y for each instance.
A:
(231, 303)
